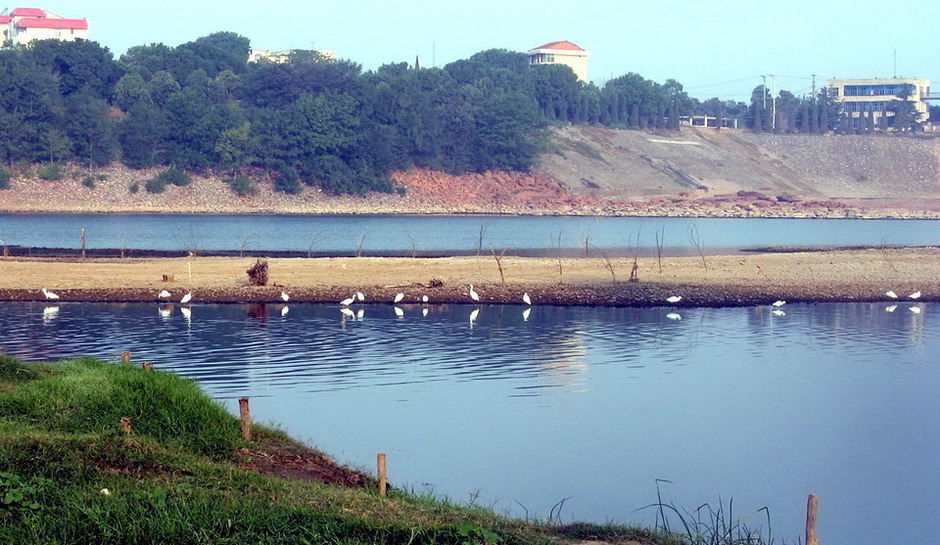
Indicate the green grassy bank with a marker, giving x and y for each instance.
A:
(69, 474)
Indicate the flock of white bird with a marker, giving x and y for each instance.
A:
(475, 297)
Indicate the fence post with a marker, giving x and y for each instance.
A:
(83, 243)
(126, 358)
(383, 478)
(812, 504)
(246, 418)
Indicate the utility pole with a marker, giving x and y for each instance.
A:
(773, 101)
(763, 93)
(814, 89)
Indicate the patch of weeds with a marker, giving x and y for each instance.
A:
(19, 494)
(101, 177)
(89, 182)
(474, 535)
(134, 188)
(175, 176)
(155, 185)
(50, 172)
(585, 149)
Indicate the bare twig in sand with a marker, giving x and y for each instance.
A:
(696, 241)
(587, 243)
(884, 254)
(635, 254)
(314, 242)
(558, 255)
(359, 240)
(660, 239)
(246, 244)
(607, 263)
(499, 262)
(483, 227)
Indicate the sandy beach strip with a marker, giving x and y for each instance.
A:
(744, 279)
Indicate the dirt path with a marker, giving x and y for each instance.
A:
(854, 275)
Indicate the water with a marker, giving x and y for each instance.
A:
(424, 235)
(594, 404)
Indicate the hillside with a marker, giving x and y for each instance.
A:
(588, 170)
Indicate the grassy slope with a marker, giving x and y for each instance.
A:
(178, 478)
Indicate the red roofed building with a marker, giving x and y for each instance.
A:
(24, 25)
(563, 52)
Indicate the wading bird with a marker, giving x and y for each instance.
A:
(474, 295)
(360, 296)
(424, 298)
(49, 294)
(284, 296)
(526, 299)
(163, 294)
(778, 303)
(674, 298)
(891, 294)
(399, 297)
(186, 298)
(348, 301)
(915, 295)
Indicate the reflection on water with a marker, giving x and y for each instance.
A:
(535, 404)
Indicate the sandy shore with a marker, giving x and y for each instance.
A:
(850, 275)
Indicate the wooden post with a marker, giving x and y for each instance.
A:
(83, 243)
(383, 477)
(812, 504)
(147, 366)
(126, 422)
(126, 358)
(246, 418)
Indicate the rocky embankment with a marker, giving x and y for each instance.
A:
(592, 171)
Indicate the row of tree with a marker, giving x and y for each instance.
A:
(325, 122)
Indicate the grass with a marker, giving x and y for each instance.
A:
(69, 475)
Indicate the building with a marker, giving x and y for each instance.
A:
(860, 96)
(24, 25)
(565, 53)
(278, 57)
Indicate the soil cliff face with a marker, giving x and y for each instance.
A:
(705, 162)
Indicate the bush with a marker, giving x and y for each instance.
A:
(134, 188)
(258, 273)
(155, 185)
(4, 179)
(101, 177)
(89, 182)
(51, 171)
(175, 176)
(241, 185)
(287, 182)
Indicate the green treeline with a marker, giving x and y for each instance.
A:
(323, 122)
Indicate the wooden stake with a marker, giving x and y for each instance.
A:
(812, 504)
(246, 418)
(126, 422)
(383, 478)
(147, 366)
(83, 243)
(126, 358)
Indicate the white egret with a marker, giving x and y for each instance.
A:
(891, 294)
(424, 298)
(915, 310)
(525, 314)
(186, 298)
(778, 312)
(399, 312)
(526, 299)
(891, 308)
(163, 294)
(49, 294)
(360, 296)
(674, 298)
(474, 295)
(399, 297)
(778, 303)
(284, 296)
(348, 301)
(674, 316)
(915, 295)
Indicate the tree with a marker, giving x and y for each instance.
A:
(78, 65)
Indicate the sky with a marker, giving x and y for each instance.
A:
(713, 47)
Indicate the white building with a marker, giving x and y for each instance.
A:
(563, 52)
(24, 25)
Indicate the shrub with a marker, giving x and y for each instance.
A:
(258, 273)
(51, 171)
(175, 176)
(241, 185)
(101, 177)
(134, 188)
(4, 179)
(288, 182)
(89, 182)
(155, 185)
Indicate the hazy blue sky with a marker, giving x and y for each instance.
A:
(714, 48)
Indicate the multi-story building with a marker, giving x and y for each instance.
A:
(278, 57)
(860, 96)
(24, 25)
(565, 53)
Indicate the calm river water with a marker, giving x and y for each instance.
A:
(434, 235)
(591, 404)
